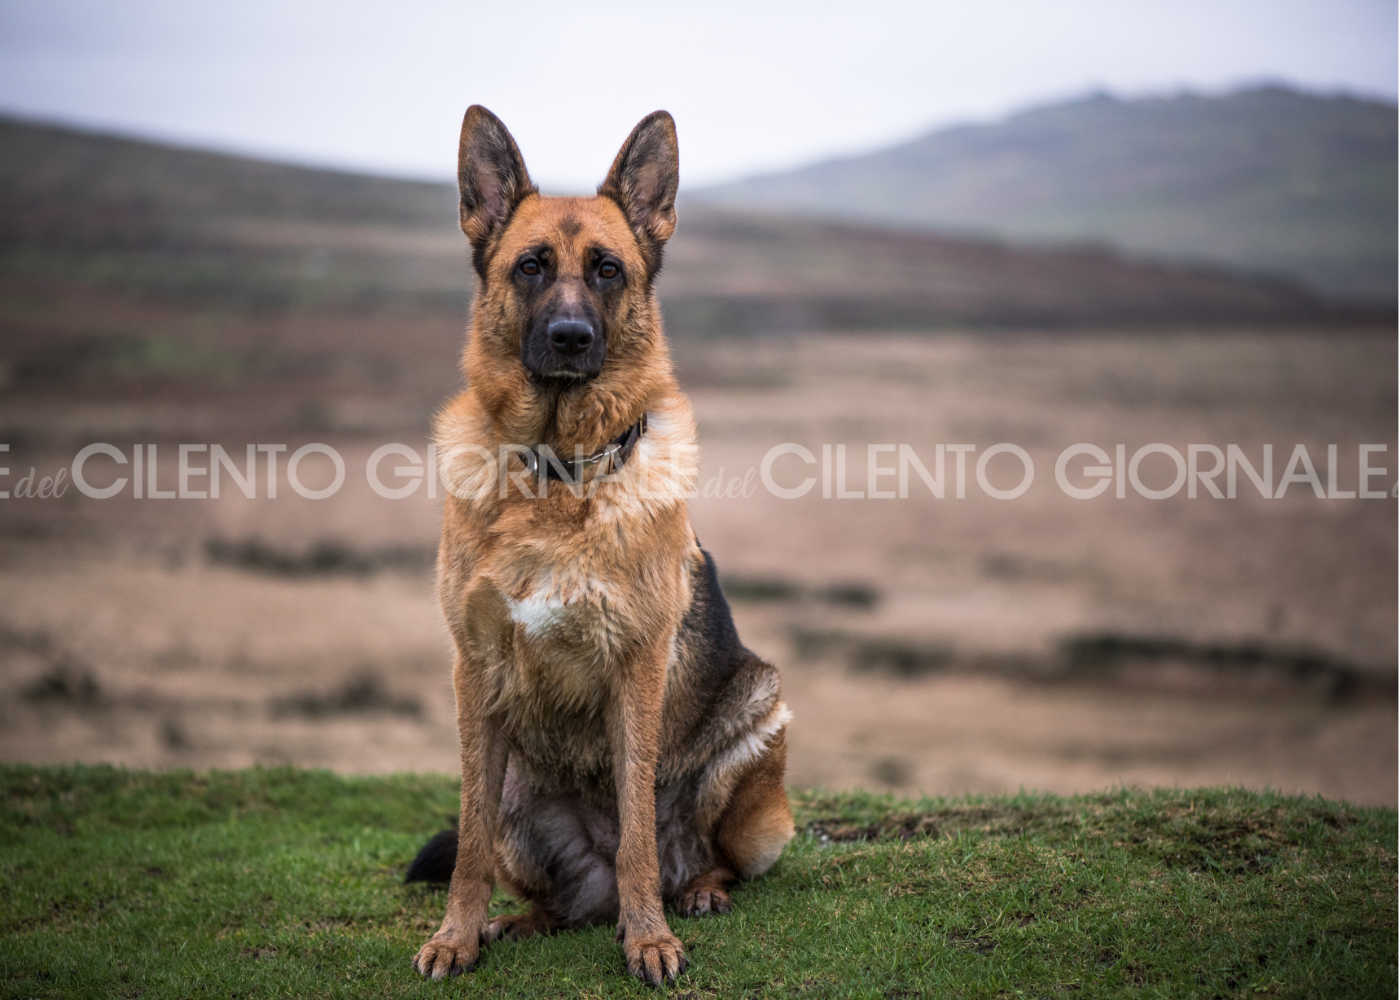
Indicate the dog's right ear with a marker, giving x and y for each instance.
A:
(643, 182)
(491, 176)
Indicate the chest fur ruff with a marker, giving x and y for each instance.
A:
(590, 575)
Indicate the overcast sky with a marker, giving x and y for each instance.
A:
(754, 86)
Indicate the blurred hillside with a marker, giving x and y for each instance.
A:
(1266, 179)
(118, 256)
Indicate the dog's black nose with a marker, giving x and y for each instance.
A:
(569, 336)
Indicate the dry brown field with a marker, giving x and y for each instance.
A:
(936, 645)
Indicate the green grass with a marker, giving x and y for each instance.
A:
(287, 883)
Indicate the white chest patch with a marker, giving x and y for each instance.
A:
(538, 613)
(549, 602)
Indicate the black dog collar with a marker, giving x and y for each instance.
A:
(613, 457)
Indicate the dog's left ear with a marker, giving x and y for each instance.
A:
(491, 177)
(644, 178)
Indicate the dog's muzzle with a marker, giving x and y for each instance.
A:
(569, 337)
(568, 347)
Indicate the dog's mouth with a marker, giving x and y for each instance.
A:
(567, 375)
(562, 378)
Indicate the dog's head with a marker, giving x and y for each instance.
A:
(567, 277)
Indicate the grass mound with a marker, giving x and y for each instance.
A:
(288, 883)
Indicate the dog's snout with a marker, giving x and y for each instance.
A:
(570, 336)
(566, 336)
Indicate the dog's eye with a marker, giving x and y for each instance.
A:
(609, 270)
(530, 266)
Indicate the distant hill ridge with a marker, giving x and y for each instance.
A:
(48, 166)
(1265, 179)
(204, 230)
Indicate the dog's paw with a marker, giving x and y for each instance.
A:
(519, 926)
(656, 959)
(447, 955)
(705, 902)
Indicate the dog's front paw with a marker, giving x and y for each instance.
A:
(704, 902)
(448, 954)
(656, 958)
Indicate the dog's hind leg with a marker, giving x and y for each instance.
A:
(705, 894)
(757, 823)
(751, 833)
(519, 926)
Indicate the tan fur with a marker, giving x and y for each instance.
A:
(575, 656)
(758, 821)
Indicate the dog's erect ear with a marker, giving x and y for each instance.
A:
(644, 177)
(491, 176)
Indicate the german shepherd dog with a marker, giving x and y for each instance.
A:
(619, 745)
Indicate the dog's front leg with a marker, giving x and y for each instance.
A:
(654, 954)
(454, 948)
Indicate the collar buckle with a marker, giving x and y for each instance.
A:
(604, 463)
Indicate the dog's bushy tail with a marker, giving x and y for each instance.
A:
(436, 860)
